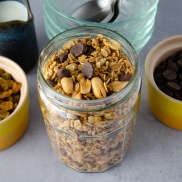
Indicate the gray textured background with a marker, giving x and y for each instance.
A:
(156, 153)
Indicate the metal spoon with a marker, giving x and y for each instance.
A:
(97, 11)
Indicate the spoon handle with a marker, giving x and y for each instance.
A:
(116, 10)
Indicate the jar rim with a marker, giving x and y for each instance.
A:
(94, 30)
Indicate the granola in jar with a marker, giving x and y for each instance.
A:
(89, 93)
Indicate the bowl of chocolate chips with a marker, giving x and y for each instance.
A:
(163, 70)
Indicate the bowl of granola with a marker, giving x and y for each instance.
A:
(14, 102)
(89, 92)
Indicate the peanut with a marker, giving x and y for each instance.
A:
(67, 85)
(113, 44)
(98, 87)
(76, 95)
(117, 85)
(85, 86)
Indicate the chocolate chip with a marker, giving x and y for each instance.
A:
(78, 49)
(180, 76)
(172, 66)
(162, 87)
(178, 95)
(88, 70)
(179, 62)
(125, 77)
(160, 68)
(164, 63)
(173, 86)
(89, 50)
(180, 84)
(169, 75)
(168, 92)
(179, 54)
(109, 93)
(52, 83)
(63, 72)
(63, 57)
(172, 58)
(159, 79)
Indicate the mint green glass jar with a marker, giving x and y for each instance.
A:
(135, 24)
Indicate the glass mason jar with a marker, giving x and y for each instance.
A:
(89, 135)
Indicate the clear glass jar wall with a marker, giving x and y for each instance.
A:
(89, 135)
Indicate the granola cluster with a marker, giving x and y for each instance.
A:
(88, 69)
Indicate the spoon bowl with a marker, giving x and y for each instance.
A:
(99, 11)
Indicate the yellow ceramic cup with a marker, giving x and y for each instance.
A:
(14, 126)
(165, 108)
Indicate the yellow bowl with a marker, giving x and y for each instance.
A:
(14, 126)
(165, 108)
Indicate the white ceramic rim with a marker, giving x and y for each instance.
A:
(19, 75)
(157, 54)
